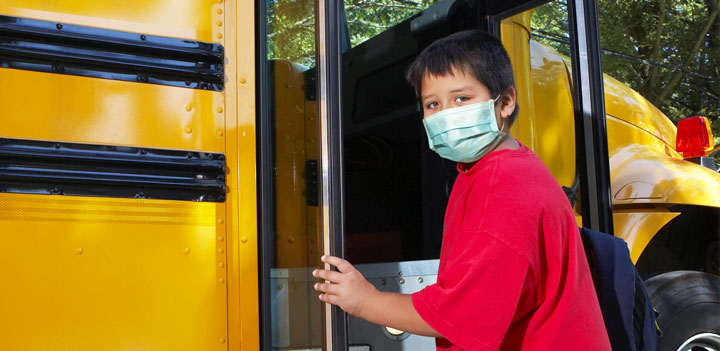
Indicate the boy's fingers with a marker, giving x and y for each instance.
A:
(342, 265)
(327, 275)
(326, 288)
(331, 299)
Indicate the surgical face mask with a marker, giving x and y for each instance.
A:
(466, 133)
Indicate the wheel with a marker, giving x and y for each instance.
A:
(688, 305)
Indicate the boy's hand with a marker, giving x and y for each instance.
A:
(347, 289)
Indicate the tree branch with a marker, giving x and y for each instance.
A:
(657, 47)
(691, 54)
(368, 24)
(396, 6)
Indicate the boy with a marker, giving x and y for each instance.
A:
(513, 273)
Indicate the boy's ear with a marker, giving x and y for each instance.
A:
(507, 102)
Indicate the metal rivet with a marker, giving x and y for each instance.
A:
(186, 250)
(188, 130)
(242, 80)
(59, 26)
(188, 107)
(221, 250)
(400, 274)
(221, 238)
(219, 23)
(421, 280)
(402, 281)
(220, 220)
(219, 109)
(222, 340)
(221, 265)
(79, 251)
(280, 287)
(219, 133)
(219, 35)
(143, 37)
(221, 281)
(244, 239)
(291, 240)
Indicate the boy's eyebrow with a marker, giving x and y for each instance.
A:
(467, 87)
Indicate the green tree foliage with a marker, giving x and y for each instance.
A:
(291, 24)
(667, 50)
(291, 30)
(368, 18)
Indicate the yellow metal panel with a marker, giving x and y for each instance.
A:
(515, 39)
(545, 118)
(35, 105)
(193, 20)
(289, 129)
(241, 212)
(110, 274)
(628, 105)
(119, 274)
(638, 228)
(554, 125)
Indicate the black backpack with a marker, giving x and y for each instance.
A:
(626, 308)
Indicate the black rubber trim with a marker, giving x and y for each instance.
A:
(44, 167)
(101, 53)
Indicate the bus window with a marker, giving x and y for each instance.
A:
(396, 188)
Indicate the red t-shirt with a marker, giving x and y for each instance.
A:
(513, 273)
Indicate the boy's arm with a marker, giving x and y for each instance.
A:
(350, 291)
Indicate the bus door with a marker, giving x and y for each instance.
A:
(346, 168)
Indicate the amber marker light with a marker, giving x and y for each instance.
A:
(694, 137)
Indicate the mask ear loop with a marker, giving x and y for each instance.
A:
(498, 139)
(501, 132)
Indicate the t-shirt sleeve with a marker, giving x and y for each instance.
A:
(478, 293)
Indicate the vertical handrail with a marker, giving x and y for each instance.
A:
(589, 106)
(322, 96)
(329, 67)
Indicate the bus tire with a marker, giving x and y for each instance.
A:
(688, 306)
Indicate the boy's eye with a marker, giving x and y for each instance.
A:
(431, 105)
(461, 99)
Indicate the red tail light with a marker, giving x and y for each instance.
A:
(694, 137)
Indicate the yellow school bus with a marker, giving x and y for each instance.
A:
(172, 170)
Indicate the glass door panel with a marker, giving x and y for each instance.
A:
(289, 153)
(396, 188)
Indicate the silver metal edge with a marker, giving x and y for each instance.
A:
(323, 114)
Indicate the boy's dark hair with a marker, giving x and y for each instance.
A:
(474, 52)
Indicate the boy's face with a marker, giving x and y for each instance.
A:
(459, 89)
